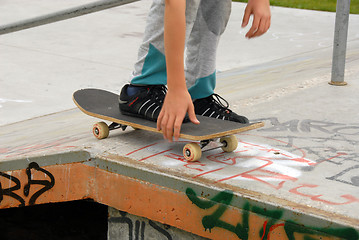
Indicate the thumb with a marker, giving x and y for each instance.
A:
(192, 115)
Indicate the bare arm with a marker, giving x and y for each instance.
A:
(178, 100)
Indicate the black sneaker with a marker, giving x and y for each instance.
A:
(146, 103)
(212, 106)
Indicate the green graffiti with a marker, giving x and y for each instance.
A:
(224, 199)
(273, 216)
(308, 238)
(344, 233)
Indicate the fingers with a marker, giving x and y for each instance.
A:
(177, 128)
(159, 120)
(163, 124)
(261, 18)
(167, 128)
(259, 27)
(173, 112)
(170, 126)
(246, 17)
(253, 30)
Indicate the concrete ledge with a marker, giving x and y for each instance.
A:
(193, 210)
(137, 172)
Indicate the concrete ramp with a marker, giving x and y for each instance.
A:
(276, 185)
(296, 178)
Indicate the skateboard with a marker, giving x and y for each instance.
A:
(104, 105)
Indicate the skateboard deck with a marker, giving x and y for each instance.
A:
(104, 105)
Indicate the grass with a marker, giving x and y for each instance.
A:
(320, 5)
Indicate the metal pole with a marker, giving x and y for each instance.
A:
(340, 42)
(62, 15)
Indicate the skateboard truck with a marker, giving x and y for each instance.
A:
(191, 151)
(101, 130)
(204, 143)
(114, 126)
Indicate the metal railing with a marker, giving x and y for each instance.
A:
(63, 15)
(340, 42)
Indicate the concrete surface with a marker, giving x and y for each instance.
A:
(43, 66)
(304, 170)
(296, 178)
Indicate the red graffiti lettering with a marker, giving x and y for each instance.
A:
(350, 199)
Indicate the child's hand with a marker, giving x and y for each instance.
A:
(177, 103)
(260, 9)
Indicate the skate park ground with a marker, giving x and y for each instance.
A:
(295, 178)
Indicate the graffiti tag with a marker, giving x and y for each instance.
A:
(16, 185)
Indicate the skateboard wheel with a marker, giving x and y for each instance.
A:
(192, 152)
(100, 130)
(230, 143)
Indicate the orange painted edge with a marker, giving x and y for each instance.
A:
(77, 181)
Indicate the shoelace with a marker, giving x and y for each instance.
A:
(220, 103)
(158, 93)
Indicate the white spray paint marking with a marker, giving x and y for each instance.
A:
(302, 38)
(264, 161)
(249, 161)
(4, 100)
